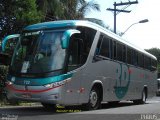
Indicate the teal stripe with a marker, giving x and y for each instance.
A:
(39, 81)
(48, 25)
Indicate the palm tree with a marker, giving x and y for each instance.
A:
(65, 9)
(51, 9)
(77, 9)
(69, 8)
(85, 7)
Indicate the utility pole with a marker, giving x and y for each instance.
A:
(116, 11)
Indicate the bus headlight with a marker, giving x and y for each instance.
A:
(9, 83)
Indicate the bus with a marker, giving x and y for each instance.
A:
(77, 62)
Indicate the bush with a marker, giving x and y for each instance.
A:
(3, 75)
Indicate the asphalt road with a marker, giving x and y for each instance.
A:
(122, 111)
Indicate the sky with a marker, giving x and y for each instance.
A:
(143, 35)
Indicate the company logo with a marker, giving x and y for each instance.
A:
(122, 80)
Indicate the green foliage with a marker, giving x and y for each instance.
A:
(84, 7)
(65, 9)
(155, 52)
(15, 14)
(3, 74)
(26, 13)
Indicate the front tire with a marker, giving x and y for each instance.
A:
(49, 106)
(94, 100)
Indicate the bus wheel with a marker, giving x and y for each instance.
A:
(49, 106)
(143, 98)
(94, 100)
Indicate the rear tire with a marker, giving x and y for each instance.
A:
(94, 100)
(143, 99)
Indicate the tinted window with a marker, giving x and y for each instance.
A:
(119, 52)
(135, 58)
(129, 55)
(99, 45)
(104, 48)
(140, 60)
(124, 53)
(147, 62)
(114, 50)
(111, 49)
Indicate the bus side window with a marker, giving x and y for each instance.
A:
(140, 60)
(104, 49)
(147, 63)
(119, 52)
(114, 50)
(73, 61)
(111, 48)
(135, 57)
(97, 52)
(77, 54)
(124, 53)
(129, 55)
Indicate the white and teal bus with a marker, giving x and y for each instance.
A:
(77, 62)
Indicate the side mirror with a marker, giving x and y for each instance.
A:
(66, 37)
(5, 40)
(5, 59)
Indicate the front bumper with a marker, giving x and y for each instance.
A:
(34, 93)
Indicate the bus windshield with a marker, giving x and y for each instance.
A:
(39, 52)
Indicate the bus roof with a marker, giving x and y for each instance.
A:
(86, 23)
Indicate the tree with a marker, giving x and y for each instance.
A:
(84, 7)
(51, 10)
(65, 9)
(16, 14)
(77, 9)
(155, 52)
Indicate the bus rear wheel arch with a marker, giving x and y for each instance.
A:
(144, 95)
(95, 97)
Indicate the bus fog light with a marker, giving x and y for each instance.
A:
(54, 96)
